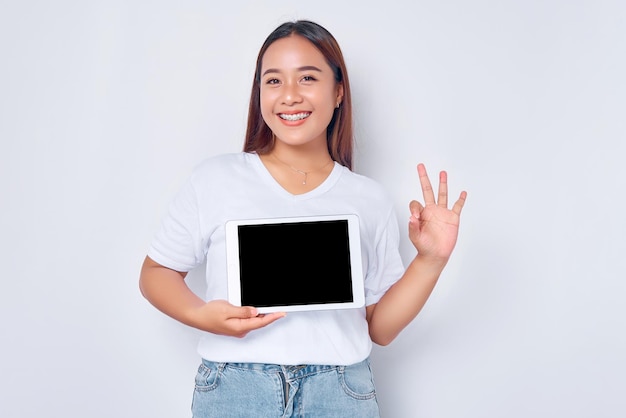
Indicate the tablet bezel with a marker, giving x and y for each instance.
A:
(356, 267)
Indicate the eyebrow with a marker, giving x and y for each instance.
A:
(299, 69)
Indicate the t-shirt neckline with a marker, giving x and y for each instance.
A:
(328, 183)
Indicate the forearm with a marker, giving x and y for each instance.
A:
(167, 291)
(404, 300)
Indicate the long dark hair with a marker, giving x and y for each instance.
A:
(339, 135)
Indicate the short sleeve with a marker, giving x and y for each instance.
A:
(386, 266)
(178, 244)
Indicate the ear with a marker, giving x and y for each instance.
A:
(339, 93)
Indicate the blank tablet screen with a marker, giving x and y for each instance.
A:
(295, 263)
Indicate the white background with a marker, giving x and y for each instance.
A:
(105, 106)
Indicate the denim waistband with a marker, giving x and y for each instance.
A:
(290, 370)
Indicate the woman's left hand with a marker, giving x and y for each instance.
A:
(433, 228)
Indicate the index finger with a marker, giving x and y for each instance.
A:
(251, 314)
(427, 188)
(242, 312)
(260, 321)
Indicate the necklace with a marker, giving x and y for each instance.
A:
(304, 173)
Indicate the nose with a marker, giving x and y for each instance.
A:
(291, 94)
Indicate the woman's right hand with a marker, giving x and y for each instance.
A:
(221, 317)
(167, 291)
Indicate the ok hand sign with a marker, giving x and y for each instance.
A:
(433, 228)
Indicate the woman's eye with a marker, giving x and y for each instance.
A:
(272, 81)
(308, 78)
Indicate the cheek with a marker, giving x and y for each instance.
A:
(328, 103)
(266, 106)
(329, 98)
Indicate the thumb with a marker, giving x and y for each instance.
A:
(416, 209)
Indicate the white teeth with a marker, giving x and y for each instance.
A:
(295, 116)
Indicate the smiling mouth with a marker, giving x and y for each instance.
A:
(295, 116)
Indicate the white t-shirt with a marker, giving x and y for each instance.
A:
(238, 186)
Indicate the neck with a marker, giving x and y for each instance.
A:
(298, 170)
(302, 159)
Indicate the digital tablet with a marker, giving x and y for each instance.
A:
(295, 264)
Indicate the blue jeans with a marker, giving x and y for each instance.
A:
(252, 390)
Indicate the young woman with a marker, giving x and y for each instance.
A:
(297, 161)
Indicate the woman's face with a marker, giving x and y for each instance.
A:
(298, 92)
